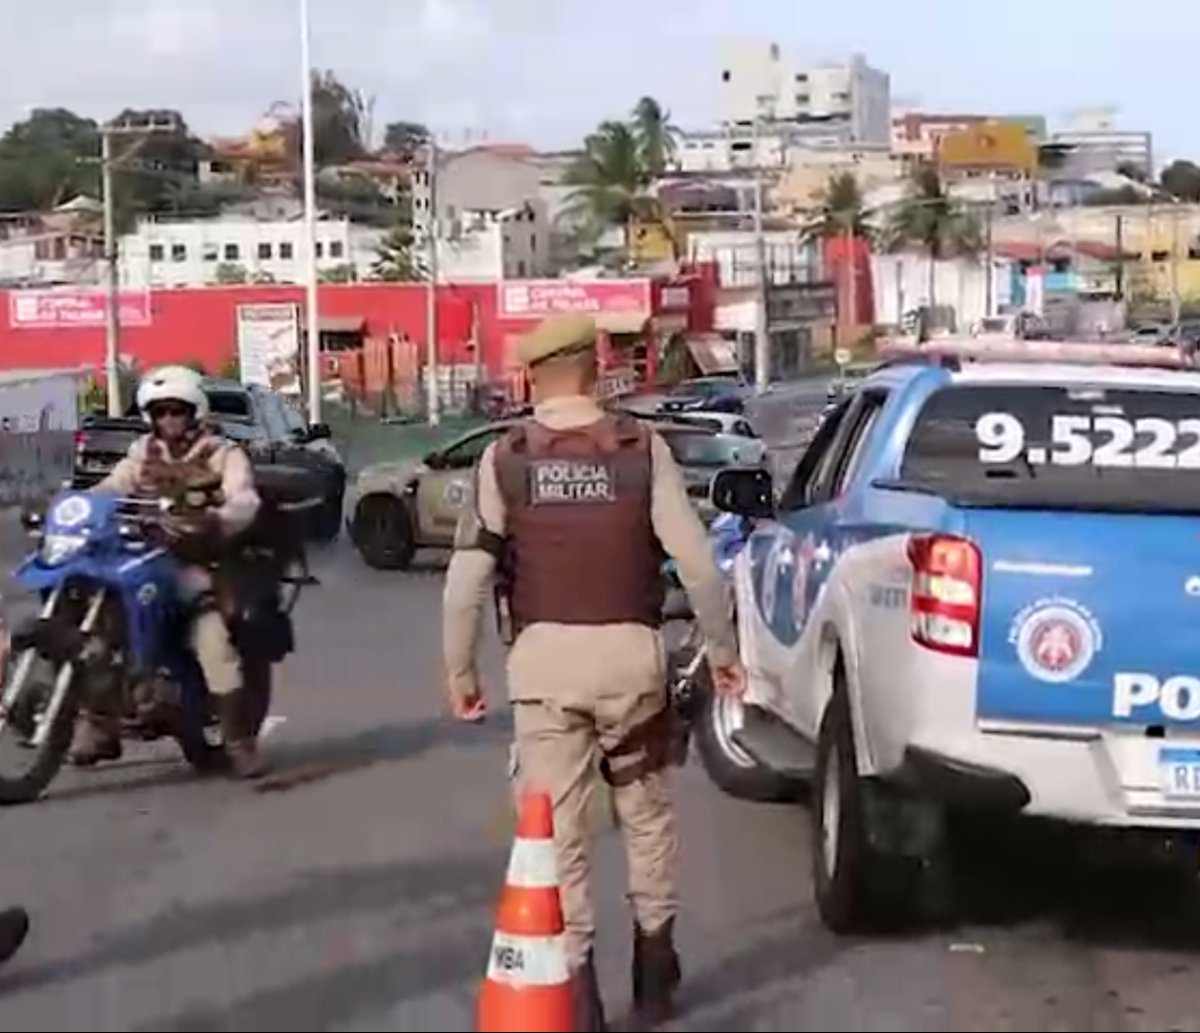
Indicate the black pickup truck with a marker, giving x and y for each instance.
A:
(270, 430)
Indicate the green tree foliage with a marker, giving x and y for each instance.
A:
(43, 160)
(1181, 179)
(405, 138)
(842, 208)
(341, 120)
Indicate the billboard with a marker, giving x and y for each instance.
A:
(535, 299)
(62, 308)
(268, 339)
(999, 146)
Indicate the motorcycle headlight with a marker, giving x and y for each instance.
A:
(58, 548)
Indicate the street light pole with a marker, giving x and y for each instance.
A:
(112, 313)
(312, 316)
(431, 320)
(762, 335)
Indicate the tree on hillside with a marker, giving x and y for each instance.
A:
(609, 180)
(341, 120)
(656, 137)
(405, 138)
(42, 160)
(1181, 179)
(930, 218)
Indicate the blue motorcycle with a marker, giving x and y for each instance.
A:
(113, 622)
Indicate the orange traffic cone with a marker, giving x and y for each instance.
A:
(528, 985)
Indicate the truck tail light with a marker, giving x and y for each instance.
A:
(81, 440)
(946, 593)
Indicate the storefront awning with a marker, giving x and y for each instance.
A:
(713, 354)
(622, 322)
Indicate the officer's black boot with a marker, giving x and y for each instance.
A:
(586, 1004)
(656, 976)
(14, 927)
(241, 744)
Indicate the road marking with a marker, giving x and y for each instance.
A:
(270, 723)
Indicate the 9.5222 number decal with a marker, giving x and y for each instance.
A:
(1147, 442)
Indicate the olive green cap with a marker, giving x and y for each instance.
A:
(557, 335)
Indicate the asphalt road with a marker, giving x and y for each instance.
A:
(357, 892)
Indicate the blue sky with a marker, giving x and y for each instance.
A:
(548, 70)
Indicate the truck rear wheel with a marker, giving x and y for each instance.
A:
(858, 887)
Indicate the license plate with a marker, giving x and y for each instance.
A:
(1179, 771)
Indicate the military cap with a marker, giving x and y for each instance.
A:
(557, 335)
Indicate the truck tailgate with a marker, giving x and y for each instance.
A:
(1089, 619)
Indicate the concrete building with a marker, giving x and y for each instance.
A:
(760, 84)
(767, 146)
(205, 252)
(1097, 144)
(802, 185)
(481, 179)
(491, 246)
(62, 246)
(918, 133)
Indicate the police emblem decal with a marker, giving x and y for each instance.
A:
(1056, 639)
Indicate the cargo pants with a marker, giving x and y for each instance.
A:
(578, 690)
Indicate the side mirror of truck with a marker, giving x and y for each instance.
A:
(747, 493)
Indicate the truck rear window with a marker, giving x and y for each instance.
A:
(1058, 446)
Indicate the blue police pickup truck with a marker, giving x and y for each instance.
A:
(978, 590)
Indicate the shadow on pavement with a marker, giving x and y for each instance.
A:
(422, 891)
(1107, 892)
(292, 763)
(325, 1001)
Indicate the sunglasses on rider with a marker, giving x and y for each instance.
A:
(157, 412)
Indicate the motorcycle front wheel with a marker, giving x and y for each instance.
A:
(37, 719)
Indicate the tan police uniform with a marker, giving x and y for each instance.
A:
(587, 504)
(149, 470)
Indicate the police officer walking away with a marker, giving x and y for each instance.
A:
(574, 509)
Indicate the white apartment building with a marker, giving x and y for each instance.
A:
(776, 145)
(206, 252)
(760, 84)
(492, 246)
(59, 247)
(1102, 146)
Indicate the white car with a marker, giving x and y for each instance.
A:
(979, 591)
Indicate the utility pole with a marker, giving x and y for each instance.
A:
(431, 320)
(762, 334)
(990, 302)
(312, 304)
(112, 310)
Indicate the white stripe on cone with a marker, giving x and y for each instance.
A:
(528, 960)
(533, 864)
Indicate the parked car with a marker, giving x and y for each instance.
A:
(399, 508)
(270, 430)
(718, 393)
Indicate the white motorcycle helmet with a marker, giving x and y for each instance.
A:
(172, 384)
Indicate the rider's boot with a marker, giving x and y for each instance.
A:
(97, 738)
(240, 743)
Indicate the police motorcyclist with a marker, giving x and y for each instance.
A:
(181, 450)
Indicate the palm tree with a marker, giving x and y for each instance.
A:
(610, 180)
(397, 259)
(843, 215)
(656, 137)
(931, 219)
